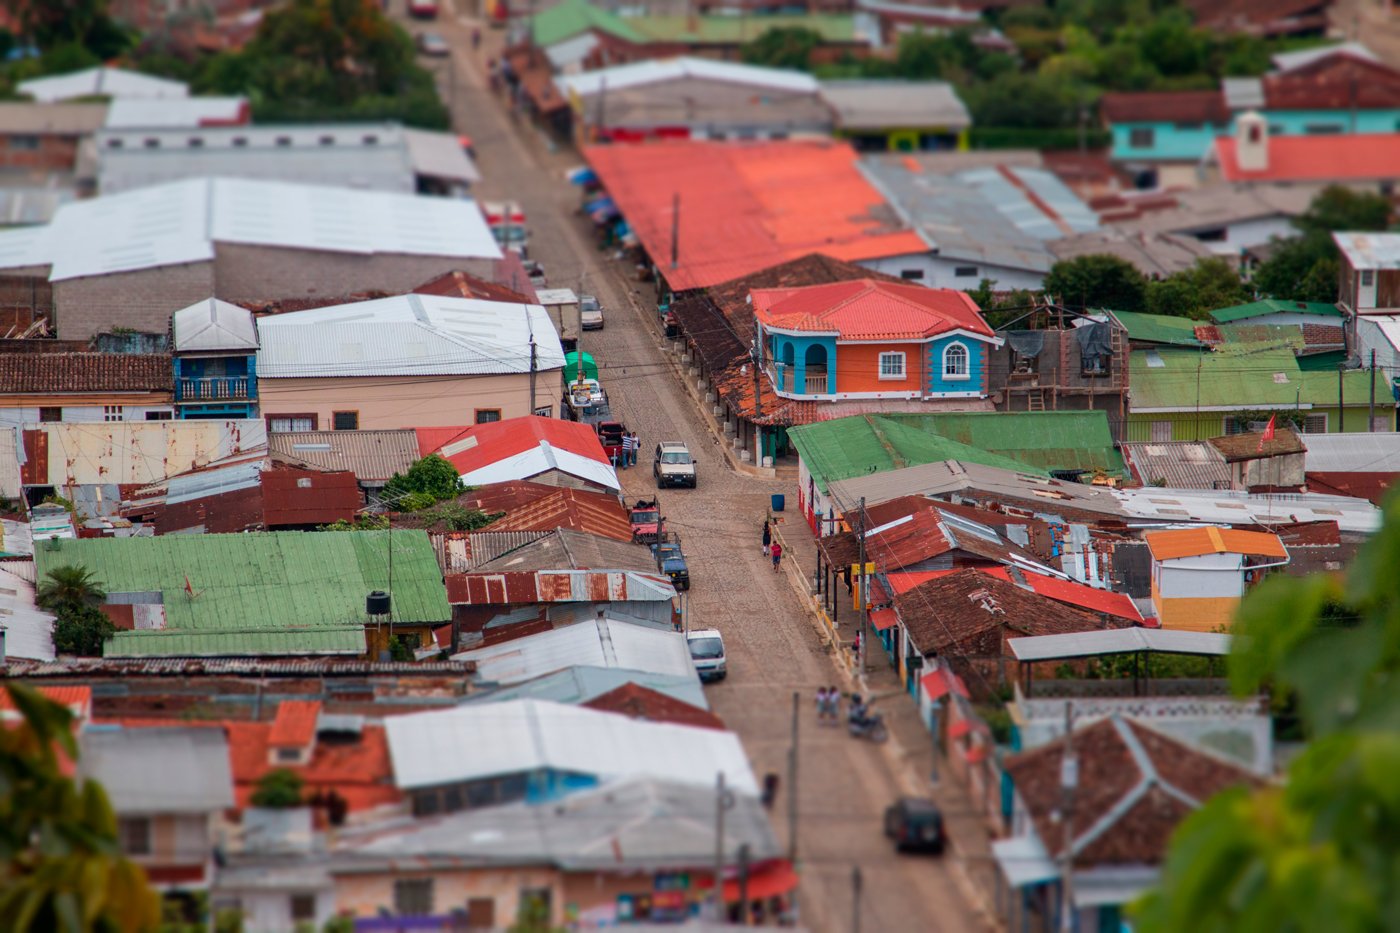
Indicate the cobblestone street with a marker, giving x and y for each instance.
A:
(774, 646)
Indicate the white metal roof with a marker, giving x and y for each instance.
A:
(556, 296)
(1388, 325)
(102, 82)
(1227, 507)
(408, 335)
(882, 103)
(213, 324)
(145, 112)
(597, 643)
(160, 770)
(1288, 61)
(439, 155)
(28, 630)
(179, 222)
(1118, 641)
(485, 740)
(541, 459)
(1370, 250)
(1352, 453)
(670, 69)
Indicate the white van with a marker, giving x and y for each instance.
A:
(707, 651)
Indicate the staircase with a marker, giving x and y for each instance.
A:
(1035, 401)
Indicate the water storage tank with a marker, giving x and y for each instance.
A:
(377, 603)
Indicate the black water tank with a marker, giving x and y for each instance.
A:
(377, 603)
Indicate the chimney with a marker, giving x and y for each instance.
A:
(1252, 142)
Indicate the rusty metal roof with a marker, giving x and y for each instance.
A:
(558, 586)
(120, 452)
(574, 550)
(373, 456)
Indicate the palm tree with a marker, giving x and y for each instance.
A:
(69, 586)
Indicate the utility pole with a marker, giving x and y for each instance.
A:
(675, 229)
(1069, 782)
(534, 358)
(856, 884)
(1371, 414)
(744, 885)
(1341, 401)
(723, 800)
(862, 581)
(792, 782)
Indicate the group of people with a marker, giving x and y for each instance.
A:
(630, 446)
(828, 704)
(771, 548)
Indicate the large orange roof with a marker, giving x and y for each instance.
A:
(1353, 157)
(866, 309)
(1194, 542)
(748, 206)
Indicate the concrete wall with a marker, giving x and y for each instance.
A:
(409, 402)
(946, 272)
(142, 300)
(53, 153)
(17, 411)
(251, 273)
(364, 894)
(271, 911)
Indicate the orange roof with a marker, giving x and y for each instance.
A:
(77, 699)
(748, 206)
(865, 309)
(358, 771)
(295, 724)
(1194, 542)
(1353, 157)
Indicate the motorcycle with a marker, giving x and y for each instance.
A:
(870, 727)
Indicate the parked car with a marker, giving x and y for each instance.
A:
(670, 560)
(673, 465)
(423, 9)
(434, 45)
(645, 517)
(586, 401)
(707, 651)
(590, 313)
(916, 825)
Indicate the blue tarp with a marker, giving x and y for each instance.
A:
(583, 175)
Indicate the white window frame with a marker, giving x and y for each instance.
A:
(892, 355)
(954, 376)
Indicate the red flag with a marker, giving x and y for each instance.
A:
(1268, 434)
(189, 589)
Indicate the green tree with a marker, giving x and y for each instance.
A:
(60, 864)
(81, 630)
(69, 586)
(1321, 850)
(1197, 291)
(432, 476)
(1302, 268)
(279, 789)
(1337, 208)
(1032, 101)
(783, 47)
(1097, 281)
(84, 24)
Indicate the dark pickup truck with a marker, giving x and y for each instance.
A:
(671, 561)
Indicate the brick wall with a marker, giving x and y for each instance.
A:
(142, 300)
(251, 273)
(53, 154)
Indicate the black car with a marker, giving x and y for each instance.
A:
(916, 825)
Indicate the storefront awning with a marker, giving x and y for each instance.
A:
(1023, 861)
(883, 619)
(771, 880)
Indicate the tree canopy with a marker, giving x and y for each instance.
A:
(433, 476)
(1097, 281)
(1195, 292)
(783, 47)
(1305, 267)
(1321, 850)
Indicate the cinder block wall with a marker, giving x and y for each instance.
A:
(252, 273)
(142, 300)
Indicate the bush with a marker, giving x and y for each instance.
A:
(81, 630)
(280, 790)
(432, 476)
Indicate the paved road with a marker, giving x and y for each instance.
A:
(773, 646)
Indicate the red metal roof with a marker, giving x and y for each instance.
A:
(748, 206)
(1165, 107)
(480, 445)
(1354, 157)
(295, 724)
(640, 702)
(937, 684)
(866, 309)
(883, 619)
(1063, 591)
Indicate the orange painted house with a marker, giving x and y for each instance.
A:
(1199, 575)
(868, 339)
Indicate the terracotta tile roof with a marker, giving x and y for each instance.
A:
(85, 372)
(1135, 786)
(1354, 157)
(1165, 107)
(359, 771)
(1252, 446)
(640, 702)
(1064, 591)
(295, 724)
(970, 614)
(747, 206)
(869, 310)
(1194, 542)
(465, 285)
(1336, 82)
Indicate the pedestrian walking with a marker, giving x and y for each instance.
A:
(476, 39)
(822, 702)
(626, 451)
(636, 446)
(833, 704)
(777, 552)
(767, 536)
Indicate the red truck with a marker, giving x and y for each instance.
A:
(646, 521)
(610, 434)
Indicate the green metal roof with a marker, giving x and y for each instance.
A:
(1029, 442)
(283, 592)
(1158, 328)
(1234, 377)
(575, 17)
(1273, 306)
(832, 27)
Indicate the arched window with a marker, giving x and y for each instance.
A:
(955, 361)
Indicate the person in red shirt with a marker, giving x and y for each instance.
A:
(777, 552)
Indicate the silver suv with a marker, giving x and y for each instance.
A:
(673, 465)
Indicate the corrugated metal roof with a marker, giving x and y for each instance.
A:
(1153, 253)
(573, 550)
(1239, 508)
(558, 586)
(582, 683)
(1290, 61)
(1180, 464)
(138, 452)
(880, 104)
(1352, 453)
(473, 742)
(1269, 306)
(1370, 250)
(655, 71)
(373, 456)
(572, 17)
(1118, 641)
(101, 82)
(160, 770)
(1019, 441)
(519, 448)
(28, 630)
(179, 222)
(439, 155)
(599, 643)
(1233, 376)
(213, 324)
(409, 335)
(1195, 542)
(185, 113)
(265, 593)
